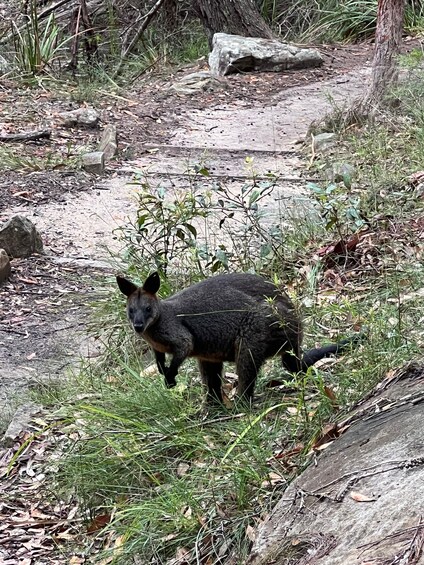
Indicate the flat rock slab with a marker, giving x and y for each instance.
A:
(85, 117)
(94, 162)
(197, 82)
(321, 519)
(234, 53)
(19, 423)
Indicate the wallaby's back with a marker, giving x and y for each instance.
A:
(225, 309)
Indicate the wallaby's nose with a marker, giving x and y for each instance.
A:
(139, 328)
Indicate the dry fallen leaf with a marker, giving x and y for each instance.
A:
(182, 469)
(328, 433)
(187, 512)
(323, 446)
(182, 555)
(359, 497)
(273, 479)
(98, 523)
(251, 533)
(76, 560)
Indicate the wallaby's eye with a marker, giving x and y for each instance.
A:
(148, 309)
(130, 310)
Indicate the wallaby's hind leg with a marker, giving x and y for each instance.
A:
(211, 376)
(248, 364)
(291, 361)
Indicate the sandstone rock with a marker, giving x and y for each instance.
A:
(86, 117)
(195, 82)
(20, 421)
(4, 266)
(324, 141)
(361, 491)
(109, 142)
(234, 53)
(20, 238)
(342, 172)
(94, 162)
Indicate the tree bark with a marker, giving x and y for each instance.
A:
(388, 40)
(238, 17)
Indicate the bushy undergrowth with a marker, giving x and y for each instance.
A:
(175, 481)
(331, 20)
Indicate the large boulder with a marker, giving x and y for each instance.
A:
(19, 237)
(234, 53)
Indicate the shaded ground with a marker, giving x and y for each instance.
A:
(43, 319)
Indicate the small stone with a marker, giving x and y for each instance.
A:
(343, 172)
(4, 266)
(419, 190)
(20, 238)
(109, 142)
(86, 117)
(94, 162)
(19, 423)
(324, 141)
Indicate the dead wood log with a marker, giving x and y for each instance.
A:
(28, 136)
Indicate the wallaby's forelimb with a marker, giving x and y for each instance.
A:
(179, 356)
(160, 361)
(170, 381)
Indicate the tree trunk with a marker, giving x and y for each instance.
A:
(388, 39)
(238, 17)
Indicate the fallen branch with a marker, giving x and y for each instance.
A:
(145, 22)
(29, 136)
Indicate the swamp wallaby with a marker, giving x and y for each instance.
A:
(236, 317)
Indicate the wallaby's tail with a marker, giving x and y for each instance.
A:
(311, 356)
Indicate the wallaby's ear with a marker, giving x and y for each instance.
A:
(152, 283)
(126, 286)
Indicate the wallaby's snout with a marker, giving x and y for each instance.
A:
(139, 328)
(140, 312)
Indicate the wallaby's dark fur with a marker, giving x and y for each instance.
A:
(236, 317)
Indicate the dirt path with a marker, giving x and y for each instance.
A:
(40, 336)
